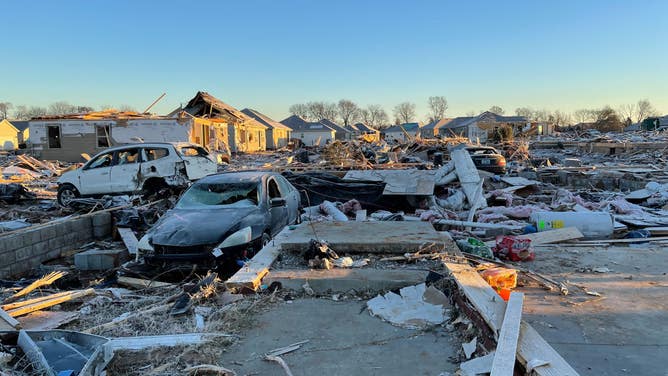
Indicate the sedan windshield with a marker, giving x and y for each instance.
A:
(234, 194)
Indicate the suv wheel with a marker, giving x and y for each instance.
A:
(66, 193)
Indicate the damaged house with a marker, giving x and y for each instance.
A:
(401, 132)
(67, 137)
(476, 128)
(277, 134)
(310, 133)
(245, 134)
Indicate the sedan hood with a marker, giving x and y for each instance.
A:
(190, 227)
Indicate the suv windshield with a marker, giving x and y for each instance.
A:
(236, 194)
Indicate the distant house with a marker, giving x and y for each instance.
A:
(13, 134)
(66, 137)
(654, 123)
(277, 134)
(342, 133)
(401, 132)
(367, 132)
(481, 128)
(431, 130)
(244, 134)
(310, 133)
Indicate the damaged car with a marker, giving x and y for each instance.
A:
(222, 220)
(488, 159)
(145, 167)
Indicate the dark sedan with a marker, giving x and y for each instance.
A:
(222, 219)
(488, 159)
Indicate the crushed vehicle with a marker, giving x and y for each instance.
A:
(488, 159)
(144, 167)
(222, 220)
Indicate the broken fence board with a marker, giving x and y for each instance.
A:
(7, 322)
(504, 360)
(129, 239)
(139, 283)
(531, 345)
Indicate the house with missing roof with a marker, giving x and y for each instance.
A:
(310, 133)
(13, 133)
(240, 132)
(277, 134)
(401, 132)
(367, 133)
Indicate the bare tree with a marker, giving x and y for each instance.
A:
(127, 108)
(23, 112)
(471, 113)
(437, 107)
(374, 116)
(526, 112)
(496, 110)
(607, 120)
(404, 112)
(645, 110)
(4, 109)
(300, 110)
(348, 111)
(560, 118)
(61, 108)
(84, 109)
(584, 115)
(322, 110)
(542, 115)
(627, 112)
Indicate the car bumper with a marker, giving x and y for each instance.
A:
(201, 255)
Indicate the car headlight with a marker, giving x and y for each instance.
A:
(242, 236)
(145, 243)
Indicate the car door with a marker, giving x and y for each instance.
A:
(197, 160)
(279, 214)
(95, 176)
(292, 198)
(124, 173)
(157, 162)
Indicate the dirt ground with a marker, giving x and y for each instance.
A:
(620, 332)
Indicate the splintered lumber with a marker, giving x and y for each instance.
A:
(504, 360)
(129, 239)
(280, 361)
(531, 346)
(478, 365)
(32, 305)
(139, 283)
(44, 281)
(657, 230)
(468, 177)
(204, 288)
(7, 322)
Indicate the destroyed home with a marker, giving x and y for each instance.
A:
(13, 134)
(400, 132)
(67, 137)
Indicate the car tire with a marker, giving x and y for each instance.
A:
(66, 193)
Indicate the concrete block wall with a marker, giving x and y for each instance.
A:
(25, 249)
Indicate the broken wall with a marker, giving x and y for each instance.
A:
(23, 250)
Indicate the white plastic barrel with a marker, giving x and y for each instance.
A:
(593, 225)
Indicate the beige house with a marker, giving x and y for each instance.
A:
(12, 134)
(277, 134)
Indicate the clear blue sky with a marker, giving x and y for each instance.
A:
(268, 55)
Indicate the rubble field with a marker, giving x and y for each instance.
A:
(407, 258)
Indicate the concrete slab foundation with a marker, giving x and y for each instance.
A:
(367, 237)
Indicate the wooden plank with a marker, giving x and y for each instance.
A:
(504, 360)
(7, 322)
(468, 176)
(44, 281)
(144, 342)
(129, 239)
(33, 305)
(657, 230)
(452, 222)
(249, 277)
(530, 346)
(139, 283)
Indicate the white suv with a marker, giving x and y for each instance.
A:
(145, 167)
